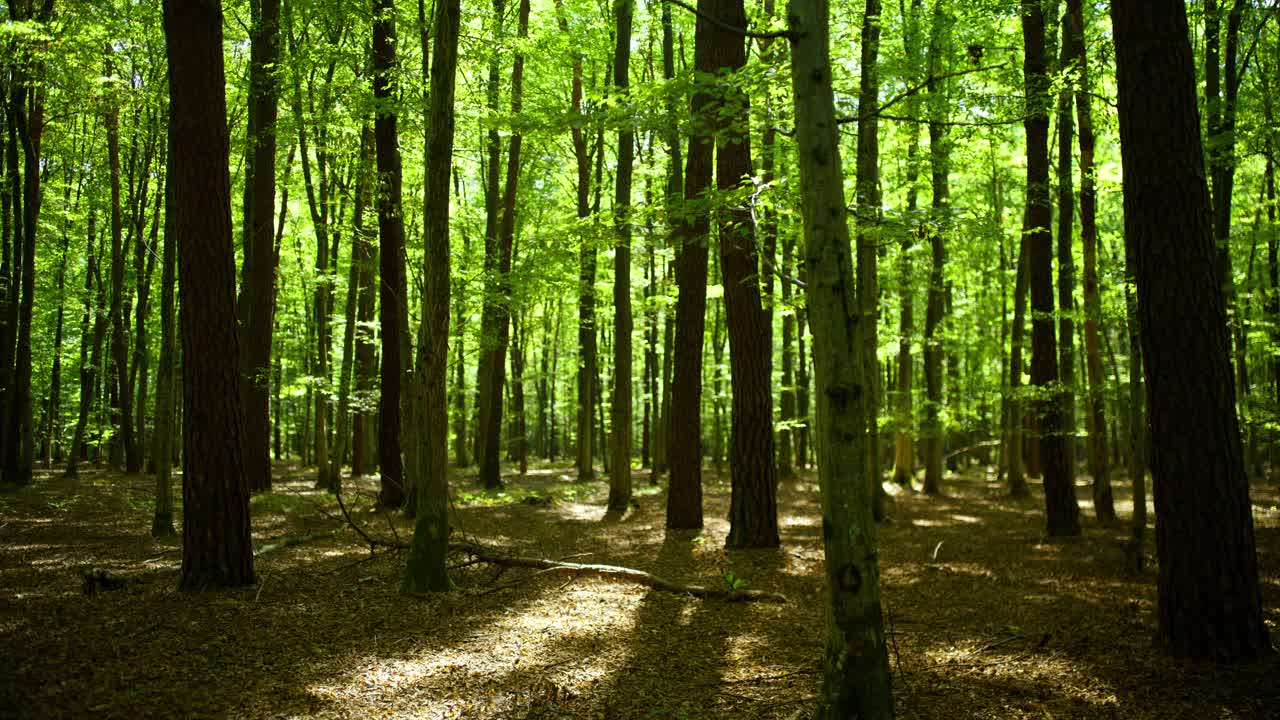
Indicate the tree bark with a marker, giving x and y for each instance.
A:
(257, 301)
(867, 214)
(216, 548)
(753, 507)
(621, 410)
(1209, 600)
(1103, 502)
(935, 304)
(393, 297)
(1061, 510)
(426, 569)
(119, 373)
(684, 436)
(162, 452)
(856, 667)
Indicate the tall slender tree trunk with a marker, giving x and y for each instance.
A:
(216, 547)
(935, 307)
(1103, 502)
(855, 679)
(257, 299)
(342, 433)
(1061, 510)
(867, 213)
(393, 295)
(119, 373)
(1014, 421)
(621, 410)
(426, 570)
(684, 436)
(1066, 257)
(491, 365)
(162, 452)
(904, 451)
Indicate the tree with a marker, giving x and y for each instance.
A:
(868, 201)
(216, 549)
(1095, 419)
(753, 508)
(1061, 510)
(393, 297)
(1209, 599)
(692, 225)
(855, 680)
(166, 373)
(257, 301)
(935, 303)
(620, 412)
(426, 570)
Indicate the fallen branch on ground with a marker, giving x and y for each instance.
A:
(611, 572)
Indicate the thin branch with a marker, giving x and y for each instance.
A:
(915, 90)
(786, 34)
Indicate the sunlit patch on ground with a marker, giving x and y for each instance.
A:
(987, 617)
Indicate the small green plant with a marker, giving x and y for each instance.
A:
(733, 581)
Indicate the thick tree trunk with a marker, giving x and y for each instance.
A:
(216, 547)
(1061, 510)
(1209, 600)
(621, 410)
(257, 300)
(856, 668)
(753, 507)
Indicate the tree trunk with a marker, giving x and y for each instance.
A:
(162, 452)
(366, 358)
(123, 412)
(684, 436)
(1061, 510)
(1014, 422)
(1103, 503)
(492, 363)
(1066, 260)
(621, 410)
(393, 297)
(1209, 600)
(216, 548)
(257, 300)
(935, 307)
(867, 215)
(856, 668)
(359, 238)
(426, 569)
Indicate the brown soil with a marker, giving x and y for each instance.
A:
(989, 618)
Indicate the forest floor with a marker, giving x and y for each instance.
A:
(988, 618)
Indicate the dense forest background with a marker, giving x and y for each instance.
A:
(449, 261)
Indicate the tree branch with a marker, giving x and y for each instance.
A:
(914, 90)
